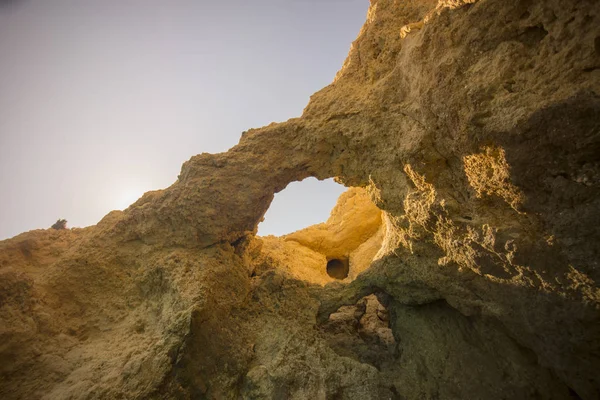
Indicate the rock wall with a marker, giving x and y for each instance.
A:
(473, 125)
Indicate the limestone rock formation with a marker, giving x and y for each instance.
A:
(351, 238)
(474, 126)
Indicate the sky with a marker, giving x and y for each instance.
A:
(101, 101)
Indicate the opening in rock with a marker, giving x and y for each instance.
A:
(340, 248)
(338, 268)
(300, 205)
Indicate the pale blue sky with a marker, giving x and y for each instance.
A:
(101, 100)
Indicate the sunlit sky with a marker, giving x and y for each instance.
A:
(101, 101)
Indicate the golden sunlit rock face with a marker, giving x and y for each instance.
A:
(463, 263)
(338, 249)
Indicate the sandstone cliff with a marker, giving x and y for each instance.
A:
(474, 126)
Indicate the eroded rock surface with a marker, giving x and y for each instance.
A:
(352, 236)
(475, 128)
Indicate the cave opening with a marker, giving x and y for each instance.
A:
(338, 268)
(340, 242)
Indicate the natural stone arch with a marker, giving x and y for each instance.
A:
(222, 197)
(403, 115)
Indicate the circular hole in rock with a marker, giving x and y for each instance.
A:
(338, 268)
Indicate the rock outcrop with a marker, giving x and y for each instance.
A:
(474, 126)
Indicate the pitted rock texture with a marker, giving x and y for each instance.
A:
(474, 126)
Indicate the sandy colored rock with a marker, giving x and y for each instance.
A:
(353, 221)
(299, 262)
(352, 233)
(475, 132)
